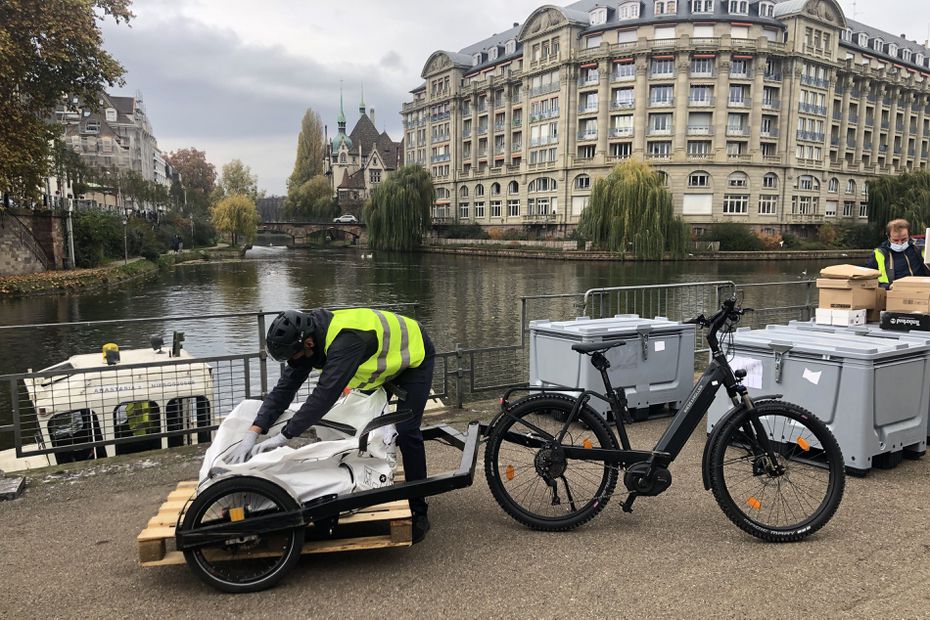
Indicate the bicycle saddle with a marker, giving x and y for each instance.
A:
(596, 347)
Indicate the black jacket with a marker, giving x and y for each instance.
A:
(346, 353)
(903, 264)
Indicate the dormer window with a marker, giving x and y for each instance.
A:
(766, 9)
(665, 7)
(598, 15)
(111, 115)
(702, 6)
(510, 46)
(906, 55)
(863, 39)
(892, 50)
(630, 10)
(476, 60)
(919, 59)
(877, 44)
(846, 34)
(492, 53)
(738, 7)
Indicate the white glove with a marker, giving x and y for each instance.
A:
(243, 450)
(270, 444)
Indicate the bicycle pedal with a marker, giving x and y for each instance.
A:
(628, 504)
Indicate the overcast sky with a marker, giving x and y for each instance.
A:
(234, 77)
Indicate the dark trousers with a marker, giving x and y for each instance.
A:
(417, 382)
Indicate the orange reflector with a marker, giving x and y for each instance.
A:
(509, 472)
(803, 443)
(587, 443)
(237, 514)
(754, 503)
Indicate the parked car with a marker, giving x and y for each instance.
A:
(346, 218)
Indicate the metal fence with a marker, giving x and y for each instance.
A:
(218, 383)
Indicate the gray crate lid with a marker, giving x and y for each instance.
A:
(619, 325)
(871, 329)
(836, 344)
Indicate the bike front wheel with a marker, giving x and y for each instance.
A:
(247, 563)
(777, 471)
(529, 474)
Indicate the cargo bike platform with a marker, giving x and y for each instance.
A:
(251, 544)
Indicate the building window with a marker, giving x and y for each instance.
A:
(666, 7)
(735, 204)
(770, 181)
(702, 66)
(583, 182)
(830, 209)
(663, 67)
(863, 209)
(513, 208)
(479, 191)
(598, 16)
(495, 189)
(661, 95)
(621, 150)
(699, 179)
(495, 208)
(851, 187)
(767, 204)
(739, 7)
(586, 151)
(630, 10)
(766, 9)
(374, 175)
(702, 6)
(660, 150)
(738, 179)
(479, 209)
(699, 148)
(510, 46)
(849, 208)
(476, 60)
(808, 183)
(833, 186)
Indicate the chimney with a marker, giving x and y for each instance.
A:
(371, 115)
(515, 24)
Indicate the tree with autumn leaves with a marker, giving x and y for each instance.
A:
(48, 50)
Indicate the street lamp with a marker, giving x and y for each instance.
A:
(125, 237)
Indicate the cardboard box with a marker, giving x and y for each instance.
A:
(874, 314)
(849, 272)
(848, 318)
(910, 294)
(905, 321)
(848, 294)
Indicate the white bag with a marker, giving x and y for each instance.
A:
(330, 466)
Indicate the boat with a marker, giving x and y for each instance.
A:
(118, 401)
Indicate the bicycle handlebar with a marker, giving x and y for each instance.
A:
(729, 311)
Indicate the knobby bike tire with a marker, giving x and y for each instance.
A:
(514, 481)
(756, 498)
(264, 560)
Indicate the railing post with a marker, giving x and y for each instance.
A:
(262, 355)
(808, 304)
(17, 422)
(459, 358)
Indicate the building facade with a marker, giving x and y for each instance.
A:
(359, 161)
(771, 114)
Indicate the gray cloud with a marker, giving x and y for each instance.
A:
(392, 60)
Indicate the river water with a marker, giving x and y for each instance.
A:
(461, 299)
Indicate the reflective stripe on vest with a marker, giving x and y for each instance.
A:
(400, 344)
(881, 260)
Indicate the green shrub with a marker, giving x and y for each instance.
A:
(464, 231)
(734, 237)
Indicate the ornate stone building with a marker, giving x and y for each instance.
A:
(772, 114)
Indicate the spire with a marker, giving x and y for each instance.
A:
(361, 105)
(341, 137)
(341, 119)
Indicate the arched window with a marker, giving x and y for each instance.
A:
(738, 179)
(479, 190)
(663, 177)
(851, 187)
(495, 189)
(583, 182)
(834, 185)
(463, 191)
(513, 188)
(770, 181)
(699, 178)
(809, 183)
(342, 158)
(510, 46)
(543, 184)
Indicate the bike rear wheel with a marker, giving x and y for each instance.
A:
(248, 563)
(785, 499)
(530, 476)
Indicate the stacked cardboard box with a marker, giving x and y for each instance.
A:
(911, 294)
(848, 288)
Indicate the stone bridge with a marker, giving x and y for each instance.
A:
(300, 232)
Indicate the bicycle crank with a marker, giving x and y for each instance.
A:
(647, 480)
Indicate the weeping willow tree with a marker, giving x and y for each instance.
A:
(904, 196)
(398, 212)
(631, 211)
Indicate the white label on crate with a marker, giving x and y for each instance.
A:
(813, 377)
(753, 370)
(660, 345)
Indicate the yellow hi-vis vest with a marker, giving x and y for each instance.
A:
(885, 264)
(400, 344)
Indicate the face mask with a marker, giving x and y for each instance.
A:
(899, 247)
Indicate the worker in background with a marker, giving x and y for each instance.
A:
(898, 256)
(356, 348)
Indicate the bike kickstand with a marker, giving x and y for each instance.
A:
(628, 504)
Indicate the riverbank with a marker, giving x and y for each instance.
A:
(113, 274)
(546, 253)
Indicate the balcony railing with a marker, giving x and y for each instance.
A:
(810, 108)
(740, 132)
(441, 157)
(517, 122)
(740, 103)
(439, 117)
(587, 134)
(622, 104)
(815, 81)
(705, 102)
(771, 104)
(622, 77)
(621, 132)
(545, 89)
(482, 131)
(772, 77)
(769, 133)
(498, 127)
(589, 80)
(739, 75)
(466, 133)
(516, 146)
(702, 74)
(699, 130)
(587, 108)
(660, 131)
(662, 103)
(661, 76)
(810, 136)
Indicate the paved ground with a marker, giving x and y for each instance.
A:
(69, 550)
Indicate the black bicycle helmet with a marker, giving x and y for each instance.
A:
(287, 334)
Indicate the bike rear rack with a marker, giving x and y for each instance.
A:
(325, 508)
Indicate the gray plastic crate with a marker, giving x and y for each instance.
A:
(873, 390)
(655, 367)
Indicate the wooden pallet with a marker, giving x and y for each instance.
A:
(376, 527)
